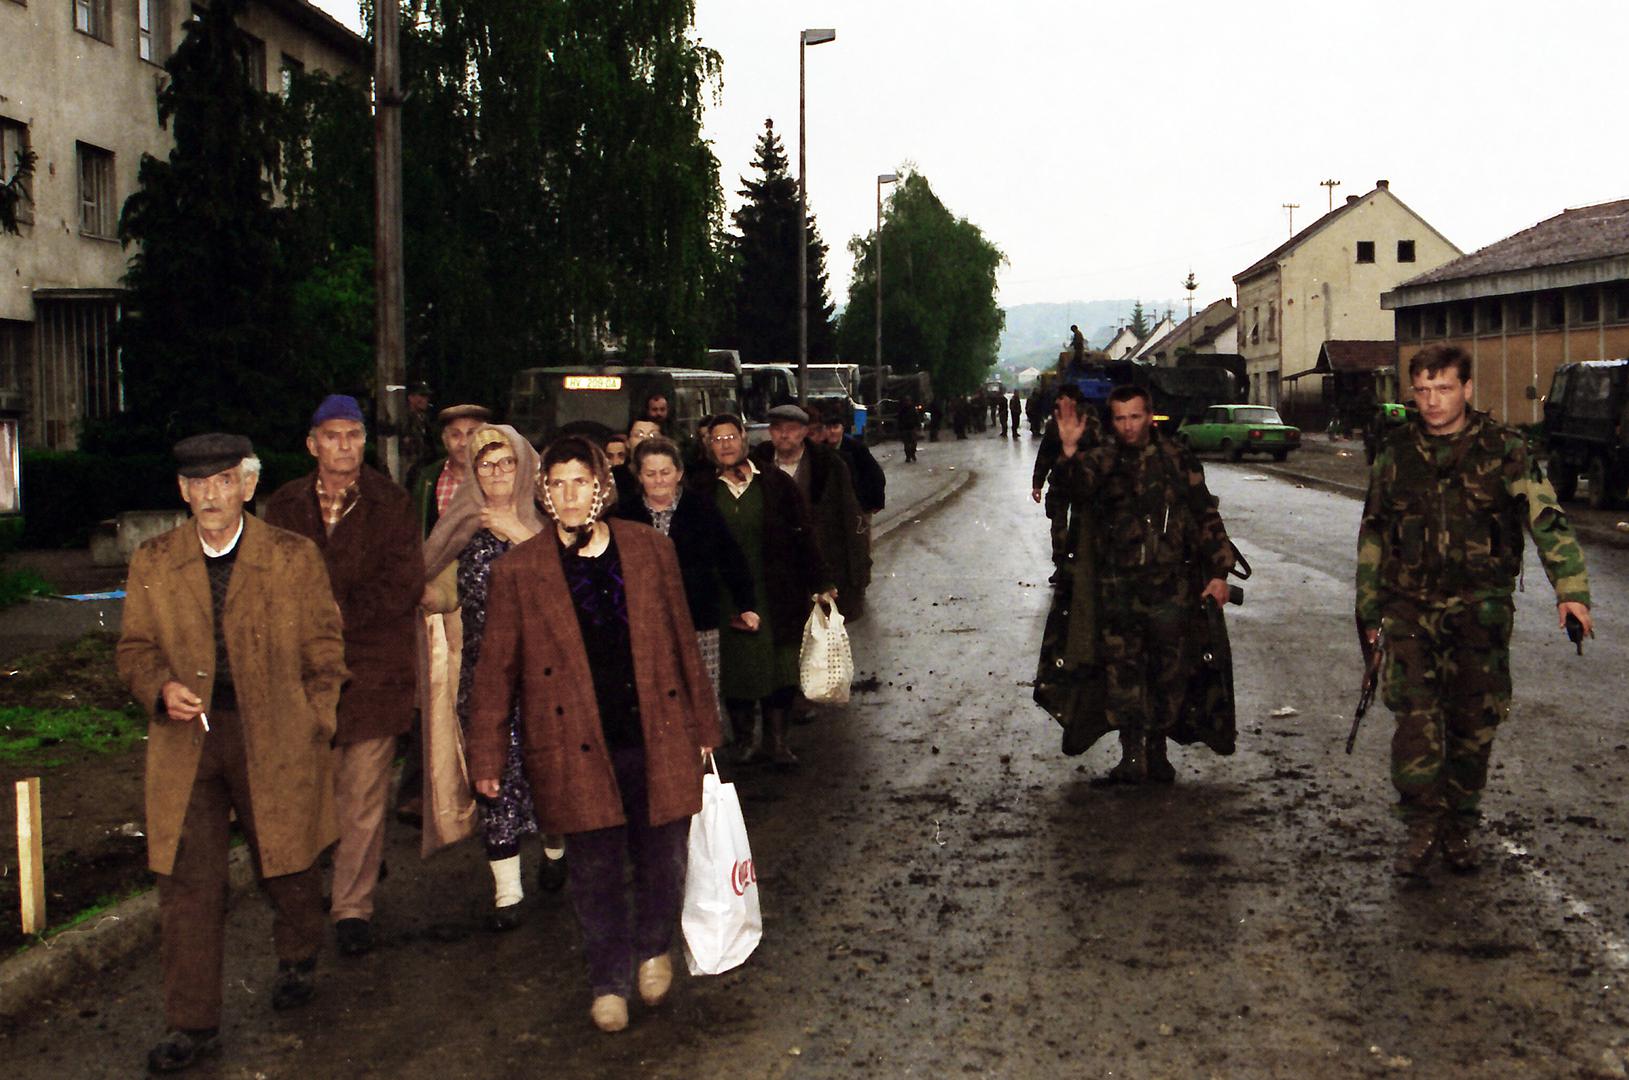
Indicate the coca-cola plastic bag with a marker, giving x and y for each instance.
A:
(721, 920)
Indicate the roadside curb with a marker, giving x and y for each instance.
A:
(922, 506)
(82, 952)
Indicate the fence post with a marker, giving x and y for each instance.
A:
(30, 856)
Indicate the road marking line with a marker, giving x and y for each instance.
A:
(1607, 944)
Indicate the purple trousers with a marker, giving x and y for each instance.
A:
(614, 942)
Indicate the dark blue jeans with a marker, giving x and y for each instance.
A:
(612, 941)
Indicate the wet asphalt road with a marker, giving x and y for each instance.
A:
(945, 894)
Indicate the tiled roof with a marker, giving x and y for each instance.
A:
(1359, 355)
(1226, 326)
(1572, 236)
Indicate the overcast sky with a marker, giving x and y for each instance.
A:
(1106, 148)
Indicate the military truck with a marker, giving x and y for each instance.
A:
(1584, 416)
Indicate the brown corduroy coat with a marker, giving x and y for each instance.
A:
(375, 562)
(288, 664)
(533, 650)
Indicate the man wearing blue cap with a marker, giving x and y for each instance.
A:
(367, 529)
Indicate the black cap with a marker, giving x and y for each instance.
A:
(420, 388)
(198, 456)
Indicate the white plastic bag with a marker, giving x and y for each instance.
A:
(825, 664)
(721, 920)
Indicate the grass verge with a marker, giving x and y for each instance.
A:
(26, 730)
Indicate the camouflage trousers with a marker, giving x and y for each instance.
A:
(1447, 681)
(1144, 648)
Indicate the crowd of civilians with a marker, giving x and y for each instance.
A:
(554, 644)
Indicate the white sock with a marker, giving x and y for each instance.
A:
(506, 879)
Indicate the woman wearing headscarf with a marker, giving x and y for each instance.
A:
(709, 558)
(587, 628)
(485, 520)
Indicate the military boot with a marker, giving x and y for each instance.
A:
(1415, 854)
(1133, 767)
(1457, 849)
(1160, 769)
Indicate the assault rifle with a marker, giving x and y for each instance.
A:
(1372, 655)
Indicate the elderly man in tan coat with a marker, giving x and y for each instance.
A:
(231, 637)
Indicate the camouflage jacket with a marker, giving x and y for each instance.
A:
(1150, 507)
(1443, 521)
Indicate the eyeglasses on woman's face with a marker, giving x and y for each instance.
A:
(496, 465)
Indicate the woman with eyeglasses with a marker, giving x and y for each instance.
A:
(484, 521)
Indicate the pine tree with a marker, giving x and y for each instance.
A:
(1139, 321)
(766, 258)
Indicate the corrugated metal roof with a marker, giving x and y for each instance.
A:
(1572, 236)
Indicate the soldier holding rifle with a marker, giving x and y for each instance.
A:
(1438, 553)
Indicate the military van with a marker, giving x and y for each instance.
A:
(604, 399)
(1584, 417)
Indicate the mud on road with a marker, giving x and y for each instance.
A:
(945, 894)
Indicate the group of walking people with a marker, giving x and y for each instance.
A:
(575, 638)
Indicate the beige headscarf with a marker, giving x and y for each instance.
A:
(462, 520)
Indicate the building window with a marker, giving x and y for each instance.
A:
(1408, 324)
(1365, 251)
(1405, 251)
(1272, 322)
(98, 216)
(1255, 326)
(92, 17)
(1465, 318)
(13, 148)
(1521, 312)
(1490, 316)
(1586, 307)
(291, 68)
(1439, 321)
(153, 30)
(1619, 303)
(257, 61)
(1552, 310)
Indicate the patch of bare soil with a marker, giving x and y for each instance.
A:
(92, 802)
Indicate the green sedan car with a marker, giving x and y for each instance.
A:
(1237, 430)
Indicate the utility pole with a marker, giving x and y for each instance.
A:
(1331, 185)
(390, 359)
(1292, 207)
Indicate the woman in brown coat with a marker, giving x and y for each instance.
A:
(587, 625)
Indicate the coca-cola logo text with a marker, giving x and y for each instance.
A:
(742, 876)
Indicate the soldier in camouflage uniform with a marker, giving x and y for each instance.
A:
(1155, 522)
(1438, 554)
(1056, 499)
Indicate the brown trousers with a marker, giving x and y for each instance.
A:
(192, 898)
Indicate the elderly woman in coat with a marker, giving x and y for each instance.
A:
(484, 520)
(588, 629)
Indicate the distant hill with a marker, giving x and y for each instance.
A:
(1038, 332)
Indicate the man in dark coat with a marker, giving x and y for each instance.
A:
(438, 481)
(231, 639)
(825, 483)
(870, 482)
(369, 536)
(1016, 407)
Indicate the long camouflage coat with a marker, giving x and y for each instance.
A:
(1442, 524)
(288, 663)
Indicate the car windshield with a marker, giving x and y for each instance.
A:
(824, 382)
(1259, 415)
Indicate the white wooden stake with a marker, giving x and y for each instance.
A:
(30, 856)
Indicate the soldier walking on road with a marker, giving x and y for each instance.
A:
(1155, 522)
(1016, 408)
(1438, 554)
(1056, 498)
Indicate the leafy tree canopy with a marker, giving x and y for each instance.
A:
(939, 311)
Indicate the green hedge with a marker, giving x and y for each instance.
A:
(65, 494)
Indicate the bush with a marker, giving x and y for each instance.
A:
(66, 493)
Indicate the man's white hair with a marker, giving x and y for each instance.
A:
(250, 466)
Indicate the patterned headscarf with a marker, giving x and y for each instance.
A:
(462, 520)
(588, 452)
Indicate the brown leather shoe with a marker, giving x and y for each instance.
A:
(1415, 855)
(1457, 849)
(1160, 769)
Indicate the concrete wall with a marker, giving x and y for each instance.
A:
(1258, 333)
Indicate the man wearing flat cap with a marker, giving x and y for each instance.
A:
(438, 481)
(827, 487)
(368, 533)
(232, 639)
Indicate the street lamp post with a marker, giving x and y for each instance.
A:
(882, 178)
(805, 39)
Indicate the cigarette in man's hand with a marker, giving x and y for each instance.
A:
(203, 718)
